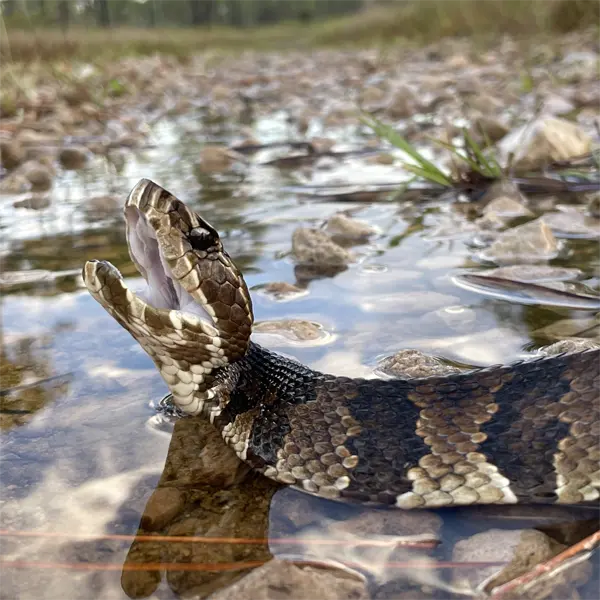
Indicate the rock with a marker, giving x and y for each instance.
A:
(11, 154)
(102, 206)
(533, 273)
(547, 139)
(347, 229)
(14, 183)
(371, 97)
(321, 144)
(458, 61)
(563, 328)
(163, 506)
(370, 522)
(579, 65)
(73, 158)
(414, 363)
(572, 223)
(533, 548)
(484, 103)
(531, 242)
(501, 209)
(280, 580)
(488, 127)
(403, 103)
(295, 330)
(522, 549)
(570, 345)
(218, 158)
(38, 175)
(593, 206)
(557, 105)
(34, 202)
(502, 189)
(282, 290)
(315, 247)
(381, 158)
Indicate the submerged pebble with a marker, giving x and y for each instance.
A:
(315, 247)
(531, 242)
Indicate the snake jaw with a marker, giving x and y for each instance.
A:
(196, 314)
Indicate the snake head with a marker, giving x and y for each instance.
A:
(195, 315)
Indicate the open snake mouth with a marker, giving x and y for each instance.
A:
(195, 313)
(163, 290)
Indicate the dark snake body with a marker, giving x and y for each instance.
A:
(525, 432)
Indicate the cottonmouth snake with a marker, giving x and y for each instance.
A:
(525, 432)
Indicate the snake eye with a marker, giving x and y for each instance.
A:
(202, 239)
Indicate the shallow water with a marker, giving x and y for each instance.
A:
(83, 446)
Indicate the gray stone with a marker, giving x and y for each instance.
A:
(313, 246)
(414, 363)
(281, 580)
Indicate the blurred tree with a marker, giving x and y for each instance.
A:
(202, 11)
(102, 13)
(64, 14)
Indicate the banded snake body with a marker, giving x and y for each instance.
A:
(526, 432)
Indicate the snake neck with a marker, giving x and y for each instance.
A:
(260, 386)
(261, 378)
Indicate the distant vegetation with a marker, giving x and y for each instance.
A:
(49, 29)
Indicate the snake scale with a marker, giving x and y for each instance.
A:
(526, 432)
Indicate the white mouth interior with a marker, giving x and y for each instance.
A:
(162, 289)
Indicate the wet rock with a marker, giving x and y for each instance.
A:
(531, 242)
(484, 103)
(295, 330)
(374, 522)
(281, 290)
(162, 507)
(14, 183)
(572, 223)
(343, 228)
(503, 189)
(313, 246)
(533, 548)
(579, 65)
(102, 206)
(593, 206)
(73, 158)
(11, 154)
(279, 580)
(34, 202)
(403, 103)
(547, 139)
(533, 273)
(521, 549)
(414, 363)
(38, 175)
(371, 97)
(585, 327)
(557, 105)
(570, 345)
(382, 158)
(490, 128)
(321, 144)
(501, 209)
(218, 158)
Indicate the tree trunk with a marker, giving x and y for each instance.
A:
(64, 14)
(152, 13)
(236, 17)
(102, 14)
(8, 7)
(202, 11)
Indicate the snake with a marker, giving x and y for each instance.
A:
(526, 432)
